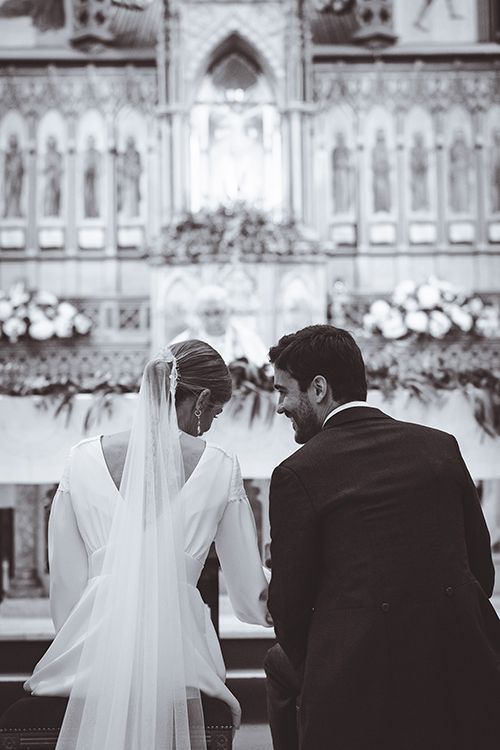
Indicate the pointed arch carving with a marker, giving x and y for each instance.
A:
(234, 31)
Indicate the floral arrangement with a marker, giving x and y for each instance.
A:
(39, 315)
(434, 309)
(237, 231)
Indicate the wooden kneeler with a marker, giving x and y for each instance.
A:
(33, 723)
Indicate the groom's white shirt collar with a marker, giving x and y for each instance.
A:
(349, 405)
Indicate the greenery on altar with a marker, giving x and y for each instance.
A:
(395, 366)
(236, 232)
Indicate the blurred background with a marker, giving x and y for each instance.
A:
(234, 171)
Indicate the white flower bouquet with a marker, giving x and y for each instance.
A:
(433, 309)
(39, 315)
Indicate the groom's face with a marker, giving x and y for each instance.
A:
(297, 406)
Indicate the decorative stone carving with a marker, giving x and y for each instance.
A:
(401, 89)
(208, 25)
(73, 92)
(53, 172)
(342, 175)
(26, 582)
(381, 174)
(85, 362)
(13, 179)
(91, 23)
(495, 172)
(425, 6)
(460, 163)
(376, 23)
(129, 179)
(91, 176)
(419, 179)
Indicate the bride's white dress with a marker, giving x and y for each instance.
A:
(216, 509)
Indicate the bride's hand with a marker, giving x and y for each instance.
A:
(236, 714)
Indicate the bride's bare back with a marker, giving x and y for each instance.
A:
(114, 448)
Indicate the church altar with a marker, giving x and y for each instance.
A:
(35, 443)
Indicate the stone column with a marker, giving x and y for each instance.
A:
(111, 157)
(361, 207)
(71, 243)
(295, 155)
(441, 193)
(481, 195)
(26, 582)
(401, 182)
(31, 186)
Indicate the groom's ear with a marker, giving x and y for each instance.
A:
(319, 386)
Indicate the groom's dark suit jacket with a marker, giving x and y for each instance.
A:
(382, 572)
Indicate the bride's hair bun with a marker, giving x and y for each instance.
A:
(200, 366)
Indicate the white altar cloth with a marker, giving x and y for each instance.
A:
(34, 444)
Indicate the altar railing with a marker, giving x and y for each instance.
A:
(74, 360)
(460, 353)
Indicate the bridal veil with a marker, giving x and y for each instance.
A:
(136, 685)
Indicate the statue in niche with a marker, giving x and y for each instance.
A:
(13, 179)
(495, 173)
(129, 178)
(53, 170)
(424, 9)
(419, 168)
(236, 153)
(91, 171)
(342, 175)
(459, 174)
(381, 169)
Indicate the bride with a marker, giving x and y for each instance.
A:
(130, 528)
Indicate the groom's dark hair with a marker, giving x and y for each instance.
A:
(323, 350)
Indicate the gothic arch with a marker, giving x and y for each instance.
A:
(234, 36)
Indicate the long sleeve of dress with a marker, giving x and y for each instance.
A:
(68, 561)
(238, 552)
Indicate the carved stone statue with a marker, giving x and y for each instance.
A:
(91, 172)
(342, 175)
(495, 172)
(424, 9)
(53, 171)
(381, 169)
(419, 168)
(129, 177)
(13, 179)
(459, 174)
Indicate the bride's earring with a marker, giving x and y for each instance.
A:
(197, 414)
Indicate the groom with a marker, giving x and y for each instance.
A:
(381, 571)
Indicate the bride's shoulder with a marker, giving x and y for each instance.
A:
(84, 446)
(222, 453)
(197, 446)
